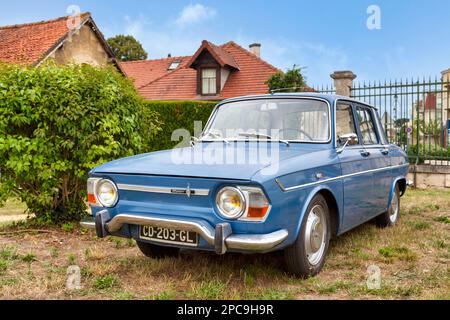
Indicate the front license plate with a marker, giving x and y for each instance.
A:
(169, 236)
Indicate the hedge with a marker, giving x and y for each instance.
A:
(175, 115)
(428, 152)
(59, 122)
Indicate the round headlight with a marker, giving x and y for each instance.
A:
(231, 203)
(106, 193)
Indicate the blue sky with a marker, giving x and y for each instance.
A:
(320, 35)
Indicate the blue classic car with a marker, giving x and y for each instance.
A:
(273, 172)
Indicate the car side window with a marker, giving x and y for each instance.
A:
(367, 126)
(345, 123)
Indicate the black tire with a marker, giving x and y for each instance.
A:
(157, 252)
(296, 257)
(386, 220)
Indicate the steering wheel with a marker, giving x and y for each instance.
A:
(296, 130)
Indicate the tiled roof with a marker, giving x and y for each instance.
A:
(29, 43)
(144, 72)
(155, 82)
(223, 57)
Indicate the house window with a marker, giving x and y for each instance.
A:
(209, 81)
(174, 65)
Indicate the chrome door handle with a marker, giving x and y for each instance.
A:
(385, 152)
(365, 153)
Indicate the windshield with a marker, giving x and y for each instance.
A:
(293, 120)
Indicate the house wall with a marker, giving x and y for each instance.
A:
(83, 47)
(224, 74)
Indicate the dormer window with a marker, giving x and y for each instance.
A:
(213, 65)
(174, 65)
(209, 81)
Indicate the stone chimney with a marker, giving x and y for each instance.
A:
(343, 82)
(255, 48)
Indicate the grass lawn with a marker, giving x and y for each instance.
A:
(414, 258)
(12, 211)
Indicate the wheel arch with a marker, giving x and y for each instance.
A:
(334, 210)
(402, 185)
(401, 181)
(330, 198)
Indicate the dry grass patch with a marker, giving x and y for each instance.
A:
(413, 257)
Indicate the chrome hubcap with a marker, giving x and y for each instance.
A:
(394, 209)
(315, 235)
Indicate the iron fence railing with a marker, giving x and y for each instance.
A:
(415, 114)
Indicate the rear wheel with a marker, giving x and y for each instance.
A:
(390, 217)
(157, 252)
(307, 256)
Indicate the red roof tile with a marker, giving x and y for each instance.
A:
(222, 56)
(155, 82)
(144, 72)
(29, 43)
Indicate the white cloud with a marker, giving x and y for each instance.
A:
(136, 27)
(194, 14)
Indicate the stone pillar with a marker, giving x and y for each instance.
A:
(446, 104)
(343, 82)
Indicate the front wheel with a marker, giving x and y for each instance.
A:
(390, 217)
(157, 252)
(306, 256)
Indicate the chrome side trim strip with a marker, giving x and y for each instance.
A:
(250, 242)
(165, 190)
(284, 189)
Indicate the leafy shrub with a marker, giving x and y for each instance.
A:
(176, 115)
(428, 152)
(59, 122)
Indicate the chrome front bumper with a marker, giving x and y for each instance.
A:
(220, 237)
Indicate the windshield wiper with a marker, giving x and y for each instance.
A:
(215, 136)
(261, 135)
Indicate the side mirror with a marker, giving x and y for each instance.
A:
(346, 139)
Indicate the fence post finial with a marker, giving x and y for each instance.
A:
(343, 82)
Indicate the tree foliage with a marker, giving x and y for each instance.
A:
(56, 124)
(291, 81)
(127, 48)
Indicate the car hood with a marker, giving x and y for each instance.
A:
(204, 160)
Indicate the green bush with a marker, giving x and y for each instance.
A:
(428, 152)
(59, 122)
(176, 115)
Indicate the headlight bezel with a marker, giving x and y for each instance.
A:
(243, 200)
(114, 188)
(94, 185)
(247, 193)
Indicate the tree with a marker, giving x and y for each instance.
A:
(291, 81)
(59, 122)
(127, 48)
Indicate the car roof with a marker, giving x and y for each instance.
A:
(331, 98)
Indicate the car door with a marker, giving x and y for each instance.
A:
(375, 143)
(355, 165)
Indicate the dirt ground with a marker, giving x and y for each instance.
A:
(413, 257)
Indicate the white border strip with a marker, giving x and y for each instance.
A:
(284, 189)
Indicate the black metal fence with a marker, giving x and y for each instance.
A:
(414, 113)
